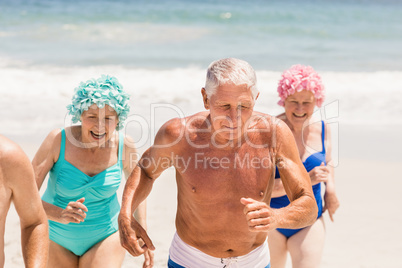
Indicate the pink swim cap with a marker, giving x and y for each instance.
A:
(298, 78)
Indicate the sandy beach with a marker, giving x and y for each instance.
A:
(365, 125)
(365, 233)
(159, 51)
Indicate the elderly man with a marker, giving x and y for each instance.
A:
(17, 184)
(224, 159)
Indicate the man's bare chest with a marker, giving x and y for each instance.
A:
(243, 172)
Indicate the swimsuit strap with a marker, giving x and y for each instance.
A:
(121, 146)
(273, 147)
(323, 135)
(62, 145)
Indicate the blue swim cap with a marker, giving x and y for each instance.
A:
(101, 91)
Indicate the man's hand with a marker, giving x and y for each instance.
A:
(260, 217)
(148, 259)
(132, 235)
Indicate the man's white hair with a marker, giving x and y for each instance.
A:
(230, 70)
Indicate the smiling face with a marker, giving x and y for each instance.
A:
(230, 109)
(299, 107)
(98, 124)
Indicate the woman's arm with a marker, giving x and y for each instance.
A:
(330, 197)
(43, 161)
(46, 156)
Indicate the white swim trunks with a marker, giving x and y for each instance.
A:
(183, 255)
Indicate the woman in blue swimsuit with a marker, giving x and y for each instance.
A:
(85, 164)
(300, 90)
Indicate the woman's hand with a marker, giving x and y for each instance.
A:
(319, 174)
(74, 212)
(331, 203)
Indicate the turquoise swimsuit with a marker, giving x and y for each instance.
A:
(67, 183)
(310, 163)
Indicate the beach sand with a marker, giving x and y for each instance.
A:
(365, 233)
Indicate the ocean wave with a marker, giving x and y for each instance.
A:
(35, 98)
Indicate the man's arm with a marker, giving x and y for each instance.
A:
(139, 184)
(130, 161)
(20, 178)
(302, 210)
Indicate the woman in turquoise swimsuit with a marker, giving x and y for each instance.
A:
(300, 90)
(85, 164)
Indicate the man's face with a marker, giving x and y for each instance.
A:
(230, 109)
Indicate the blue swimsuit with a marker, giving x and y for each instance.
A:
(67, 183)
(311, 162)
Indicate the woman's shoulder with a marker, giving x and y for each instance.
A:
(49, 150)
(58, 132)
(52, 142)
(129, 143)
(130, 154)
(320, 129)
(326, 125)
(320, 125)
(54, 137)
(327, 132)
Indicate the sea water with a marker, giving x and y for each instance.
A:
(359, 35)
(159, 50)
